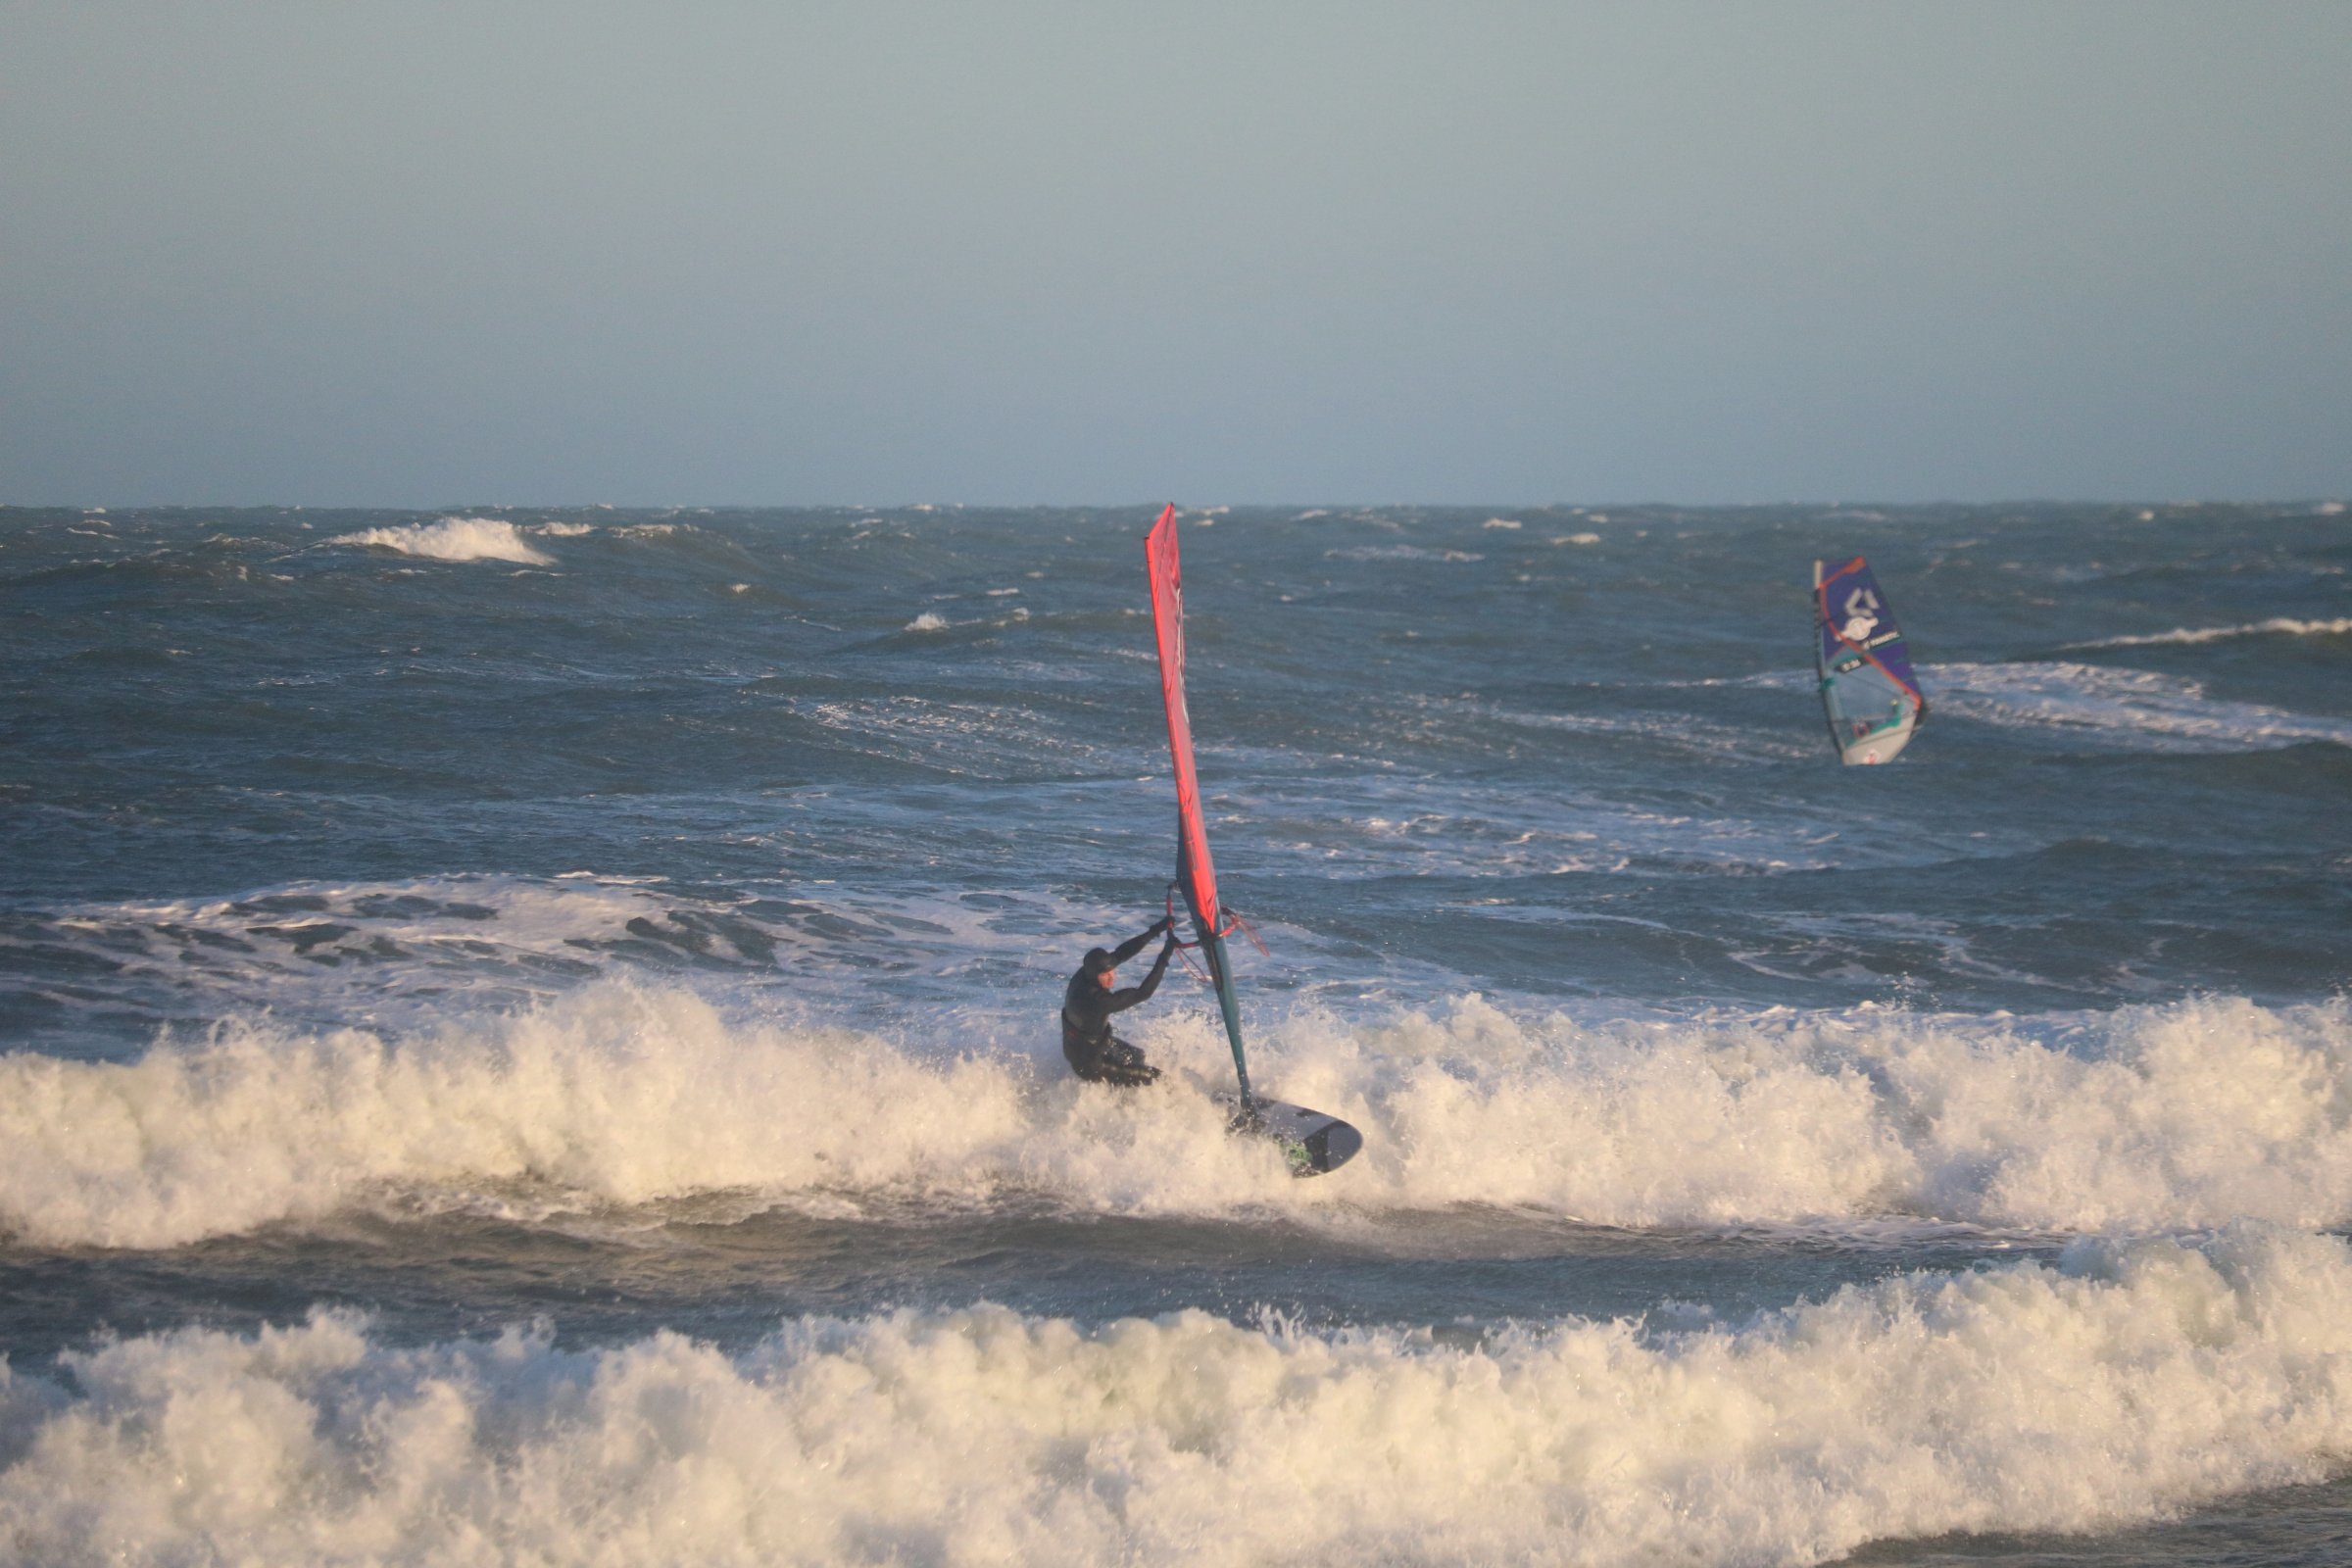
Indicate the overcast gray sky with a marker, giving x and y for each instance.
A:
(408, 254)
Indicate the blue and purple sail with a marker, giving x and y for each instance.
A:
(1867, 688)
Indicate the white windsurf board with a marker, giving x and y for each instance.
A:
(1314, 1142)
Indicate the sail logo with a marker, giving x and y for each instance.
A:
(1862, 608)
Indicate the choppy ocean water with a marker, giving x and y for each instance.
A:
(527, 1035)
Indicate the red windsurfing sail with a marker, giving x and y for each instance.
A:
(1195, 870)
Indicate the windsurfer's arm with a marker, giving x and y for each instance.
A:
(1120, 1001)
(1135, 943)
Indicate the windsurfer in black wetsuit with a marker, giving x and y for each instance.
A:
(1095, 1053)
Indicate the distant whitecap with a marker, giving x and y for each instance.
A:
(2277, 625)
(452, 539)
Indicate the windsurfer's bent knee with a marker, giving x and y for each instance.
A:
(1095, 1053)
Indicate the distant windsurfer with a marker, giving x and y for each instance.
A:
(1095, 1053)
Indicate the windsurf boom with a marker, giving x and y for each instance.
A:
(1313, 1142)
(1868, 692)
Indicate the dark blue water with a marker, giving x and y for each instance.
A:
(645, 925)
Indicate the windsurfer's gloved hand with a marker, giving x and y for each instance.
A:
(1167, 923)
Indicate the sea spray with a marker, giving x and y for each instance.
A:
(2130, 1380)
(2147, 1118)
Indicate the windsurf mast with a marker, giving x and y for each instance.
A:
(1195, 872)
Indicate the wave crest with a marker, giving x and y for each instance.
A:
(2125, 1383)
(454, 539)
(2130, 708)
(2148, 1119)
(2277, 625)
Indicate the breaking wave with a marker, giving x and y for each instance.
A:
(2165, 1117)
(2277, 625)
(2134, 709)
(455, 539)
(2125, 1382)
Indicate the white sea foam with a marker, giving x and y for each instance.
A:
(454, 539)
(611, 1097)
(399, 955)
(2147, 1118)
(2134, 709)
(2276, 626)
(966, 737)
(2126, 1381)
(1393, 827)
(1587, 538)
(564, 530)
(367, 949)
(928, 621)
(1399, 553)
(1500, 522)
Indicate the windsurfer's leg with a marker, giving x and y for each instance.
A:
(1124, 1064)
(1086, 1064)
(1115, 1062)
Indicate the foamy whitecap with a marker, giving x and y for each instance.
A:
(2149, 1118)
(2126, 1382)
(1399, 553)
(373, 950)
(2276, 626)
(1578, 539)
(611, 1097)
(928, 621)
(2127, 707)
(2145, 1118)
(454, 539)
